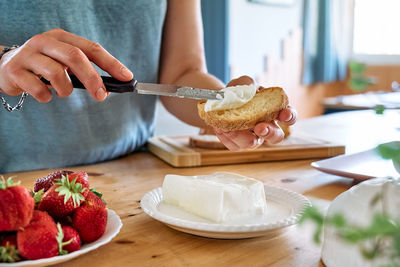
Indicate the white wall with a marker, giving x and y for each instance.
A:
(256, 30)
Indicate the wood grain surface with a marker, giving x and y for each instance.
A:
(176, 150)
(147, 242)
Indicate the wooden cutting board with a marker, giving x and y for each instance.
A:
(176, 151)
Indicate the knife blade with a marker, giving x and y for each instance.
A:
(116, 86)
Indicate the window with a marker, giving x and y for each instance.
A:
(376, 36)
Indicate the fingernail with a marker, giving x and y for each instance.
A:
(126, 73)
(101, 93)
(290, 118)
(265, 131)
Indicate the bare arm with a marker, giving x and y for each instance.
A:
(183, 60)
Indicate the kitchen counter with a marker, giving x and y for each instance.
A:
(144, 241)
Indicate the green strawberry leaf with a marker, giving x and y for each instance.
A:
(70, 190)
(9, 254)
(37, 197)
(9, 183)
(100, 195)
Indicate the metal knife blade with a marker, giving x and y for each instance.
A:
(177, 91)
(116, 86)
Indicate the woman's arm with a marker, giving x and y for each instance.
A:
(182, 58)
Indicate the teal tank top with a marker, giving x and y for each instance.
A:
(78, 130)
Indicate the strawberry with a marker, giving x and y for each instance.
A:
(16, 205)
(38, 239)
(46, 182)
(8, 249)
(94, 199)
(65, 195)
(90, 222)
(71, 240)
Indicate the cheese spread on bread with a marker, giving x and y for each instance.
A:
(234, 97)
(218, 197)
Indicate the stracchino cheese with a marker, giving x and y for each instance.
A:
(234, 97)
(218, 197)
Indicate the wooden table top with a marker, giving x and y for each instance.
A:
(144, 241)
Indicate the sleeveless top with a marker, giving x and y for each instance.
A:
(78, 130)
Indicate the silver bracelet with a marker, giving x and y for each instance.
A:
(7, 106)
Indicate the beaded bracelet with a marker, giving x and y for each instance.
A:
(7, 106)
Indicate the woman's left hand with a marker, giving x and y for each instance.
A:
(263, 131)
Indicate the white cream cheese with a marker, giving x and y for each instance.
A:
(219, 196)
(234, 97)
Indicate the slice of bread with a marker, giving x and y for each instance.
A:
(208, 141)
(264, 106)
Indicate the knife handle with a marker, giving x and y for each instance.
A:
(112, 85)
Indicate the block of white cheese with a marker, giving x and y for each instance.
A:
(234, 97)
(218, 197)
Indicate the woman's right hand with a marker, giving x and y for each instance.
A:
(52, 55)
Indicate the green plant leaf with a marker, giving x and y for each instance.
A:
(389, 151)
(379, 109)
(357, 67)
(382, 225)
(313, 214)
(370, 253)
(337, 220)
(359, 84)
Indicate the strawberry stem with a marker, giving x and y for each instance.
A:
(70, 190)
(9, 254)
(9, 183)
(60, 238)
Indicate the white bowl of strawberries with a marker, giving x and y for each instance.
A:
(61, 219)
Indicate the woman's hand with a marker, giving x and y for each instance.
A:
(52, 55)
(263, 131)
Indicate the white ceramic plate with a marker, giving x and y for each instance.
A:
(360, 166)
(114, 225)
(284, 209)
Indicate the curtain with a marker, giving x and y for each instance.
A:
(327, 40)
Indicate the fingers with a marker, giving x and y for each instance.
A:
(29, 82)
(269, 131)
(52, 71)
(288, 116)
(96, 53)
(242, 80)
(74, 59)
(50, 55)
(238, 140)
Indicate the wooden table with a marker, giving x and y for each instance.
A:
(147, 242)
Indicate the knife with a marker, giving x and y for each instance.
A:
(115, 86)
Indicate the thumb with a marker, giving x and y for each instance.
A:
(242, 80)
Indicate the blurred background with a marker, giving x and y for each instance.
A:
(328, 55)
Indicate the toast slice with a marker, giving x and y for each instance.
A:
(264, 106)
(208, 141)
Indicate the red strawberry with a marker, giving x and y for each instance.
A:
(16, 206)
(65, 195)
(71, 241)
(46, 182)
(39, 239)
(94, 199)
(8, 249)
(90, 222)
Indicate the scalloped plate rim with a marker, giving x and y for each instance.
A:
(205, 229)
